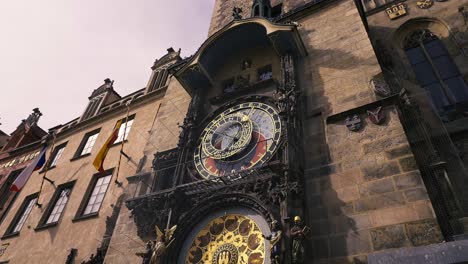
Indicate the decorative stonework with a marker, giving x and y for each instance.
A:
(353, 123)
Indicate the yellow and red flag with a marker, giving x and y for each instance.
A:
(99, 160)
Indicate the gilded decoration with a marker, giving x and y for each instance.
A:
(425, 4)
(396, 11)
(228, 239)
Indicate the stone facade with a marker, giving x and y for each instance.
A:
(364, 171)
(77, 238)
(445, 133)
(363, 191)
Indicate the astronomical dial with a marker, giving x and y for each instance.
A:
(240, 138)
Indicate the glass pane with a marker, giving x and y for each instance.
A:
(25, 215)
(88, 209)
(103, 188)
(106, 179)
(424, 74)
(92, 199)
(99, 181)
(447, 69)
(99, 198)
(96, 207)
(415, 55)
(458, 88)
(436, 48)
(57, 156)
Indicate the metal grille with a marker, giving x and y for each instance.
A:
(441, 168)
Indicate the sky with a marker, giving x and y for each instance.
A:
(54, 53)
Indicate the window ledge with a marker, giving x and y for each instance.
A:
(48, 169)
(79, 157)
(84, 217)
(45, 226)
(118, 143)
(10, 235)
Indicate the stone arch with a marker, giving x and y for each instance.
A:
(437, 27)
(210, 206)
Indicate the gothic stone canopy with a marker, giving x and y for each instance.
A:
(237, 36)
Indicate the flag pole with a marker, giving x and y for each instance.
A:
(122, 146)
(46, 167)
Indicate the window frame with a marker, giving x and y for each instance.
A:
(84, 141)
(55, 151)
(124, 139)
(87, 196)
(19, 214)
(51, 205)
(5, 189)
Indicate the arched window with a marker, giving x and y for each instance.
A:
(436, 71)
(261, 8)
(256, 12)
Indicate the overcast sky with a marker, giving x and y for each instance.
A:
(54, 53)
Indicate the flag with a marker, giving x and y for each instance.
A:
(99, 160)
(36, 164)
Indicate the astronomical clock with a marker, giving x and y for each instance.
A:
(239, 139)
(233, 185)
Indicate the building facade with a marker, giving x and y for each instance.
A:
(300, 146)
(17, 151)
(70, 216)
(300, 131)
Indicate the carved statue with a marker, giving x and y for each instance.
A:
(161, 244)
(281, 100)
(275, 245)
(298, 234)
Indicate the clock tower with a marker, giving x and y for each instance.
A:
(276, 161)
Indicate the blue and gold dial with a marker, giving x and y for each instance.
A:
(239, 139)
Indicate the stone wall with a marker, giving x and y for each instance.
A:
(53, 243)
(364, 192)
(163, 135)
(371, 197)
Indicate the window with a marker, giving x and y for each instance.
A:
(436, 72)
(94, 196)
(87, 143)
(261, 8)
(56, 206)
(97, 196)
(56, 154)
(121, 136)
(5, 189)
(22, 215)
(159, 79)
(265, 73)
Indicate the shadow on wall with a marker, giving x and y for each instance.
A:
(334, 234)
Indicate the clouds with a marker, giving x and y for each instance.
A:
(54, 53)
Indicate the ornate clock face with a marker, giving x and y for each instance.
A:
(229, 239)
(240, 138)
